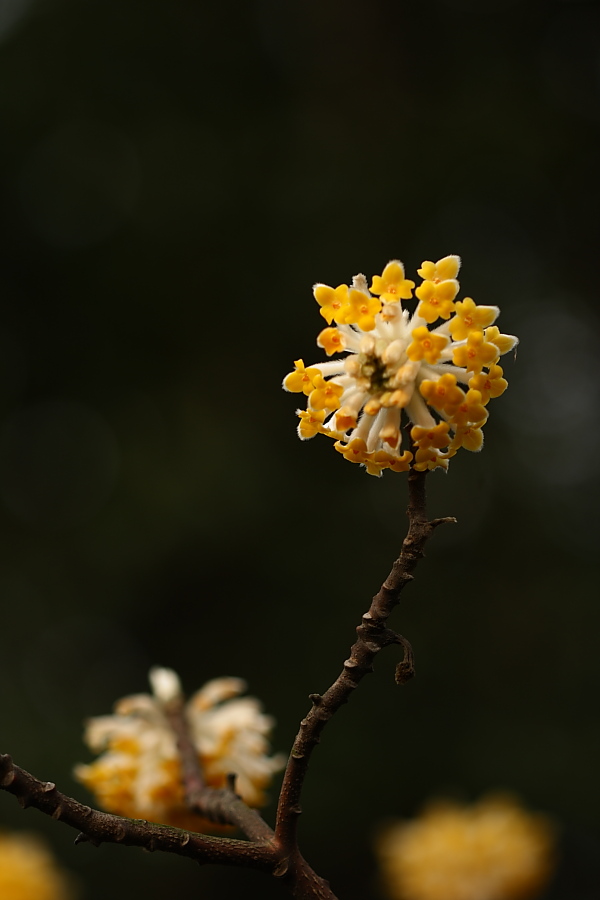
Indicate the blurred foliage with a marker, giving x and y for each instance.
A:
(174, 177)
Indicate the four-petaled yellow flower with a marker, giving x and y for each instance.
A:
(470, 317)
(302, 379)
(426, 345)
(391, 285)
(439, 375)
(361, 310)
(332, 301)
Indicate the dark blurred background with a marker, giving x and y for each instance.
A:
(174, 178)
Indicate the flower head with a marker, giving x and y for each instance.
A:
(493, 850)
(28, 871)
(438, 365)
(138, 772)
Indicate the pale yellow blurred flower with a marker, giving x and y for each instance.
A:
(491, 850)
(138, 773)
(28, 871)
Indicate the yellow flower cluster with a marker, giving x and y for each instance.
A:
(139, 774)
(493, 850)
(395, 361)
(28, 871)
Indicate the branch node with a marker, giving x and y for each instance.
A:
(57, 812)
(49, 786)
(185, 839)
(316, 699)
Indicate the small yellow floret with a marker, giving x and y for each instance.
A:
(470, 317)
(468, 436)
(443, 394)
(326, 394)
(436, 436)
(300, 380)
(471, 411)
(426, 345)
(332, 301)
(311, 423)
(430, 458)
(442, 270)
(489, 385)
(331, 340)
(391, 285)
(355, 451)
(476, 353)
(361, 310)
(437, 299)
(345, 419)
(504, 342)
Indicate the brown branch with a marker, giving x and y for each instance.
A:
(98, 827)
(220, 805)
(373, 636)
(275, 852)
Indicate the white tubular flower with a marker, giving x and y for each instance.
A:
(138, 772)
(395, 361)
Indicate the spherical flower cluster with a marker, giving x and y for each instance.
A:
(396, 361)
(28, 871)
(493, 850)
(139, 775)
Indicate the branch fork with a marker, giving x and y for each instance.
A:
(272, 851)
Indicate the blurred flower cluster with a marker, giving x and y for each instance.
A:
(138, 773)
(492, 850)
(29, 872)
(397, 362)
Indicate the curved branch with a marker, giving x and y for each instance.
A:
(373, 636)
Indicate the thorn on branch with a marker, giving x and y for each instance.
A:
(86, 839)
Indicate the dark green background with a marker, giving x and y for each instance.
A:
(174, 178)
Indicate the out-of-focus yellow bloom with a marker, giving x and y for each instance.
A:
(492, 850)
(138, 773)
(29, 872)
(396, 366)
